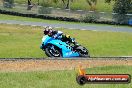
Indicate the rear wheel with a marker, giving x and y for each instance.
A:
(52, 51)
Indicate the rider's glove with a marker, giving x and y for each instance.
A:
(67, 36)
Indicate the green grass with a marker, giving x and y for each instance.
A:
(18, 18)
(20, 41)
(24, 41)
(59, 79)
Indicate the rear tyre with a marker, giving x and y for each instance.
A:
(52, 51)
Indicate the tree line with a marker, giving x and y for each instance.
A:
(120, 6)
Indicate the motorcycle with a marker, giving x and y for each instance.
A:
(57, 48)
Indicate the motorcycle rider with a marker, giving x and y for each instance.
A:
(58, 35)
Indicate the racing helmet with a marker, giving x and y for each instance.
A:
(47, 30)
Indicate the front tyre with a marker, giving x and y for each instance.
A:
(52, 51)
(84, 52)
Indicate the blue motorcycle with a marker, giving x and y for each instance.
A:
(57, 48)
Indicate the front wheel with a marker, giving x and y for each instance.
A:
(52, 51)
(83, 52)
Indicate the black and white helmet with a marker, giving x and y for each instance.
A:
(47, 30)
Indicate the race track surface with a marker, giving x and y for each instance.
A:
(61, 64)
(73, 26)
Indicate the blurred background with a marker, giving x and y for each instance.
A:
(105, 11)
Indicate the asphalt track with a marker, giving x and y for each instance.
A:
(73, 26)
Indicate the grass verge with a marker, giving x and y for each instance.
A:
(59, 79)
